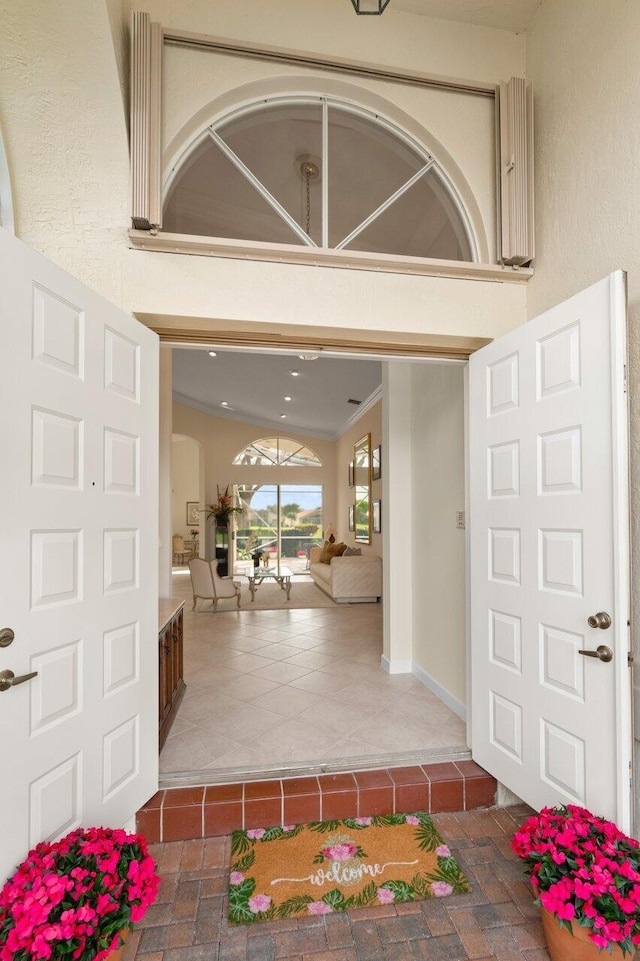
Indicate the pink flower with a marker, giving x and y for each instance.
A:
(364, 822)
(440, 889)
(385, 896)
(443, 851)
(340, 852)
(256, 833)
(259, 903)
(319, 907)
(236, 877)
(412, 819)
(288, 827)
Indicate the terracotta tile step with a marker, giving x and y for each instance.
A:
(181, 814)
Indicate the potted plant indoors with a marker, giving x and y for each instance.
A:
(76, 898)
(223, 509)
(586, 875)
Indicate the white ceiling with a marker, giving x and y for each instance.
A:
(254, 386)
(514, 15)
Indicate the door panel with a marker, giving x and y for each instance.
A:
(78, 568)
(549, 548)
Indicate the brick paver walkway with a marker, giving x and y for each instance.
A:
(497, 920)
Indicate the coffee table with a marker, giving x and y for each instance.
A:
(281, 576)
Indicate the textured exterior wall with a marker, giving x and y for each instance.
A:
(65, 136)
(582, 60)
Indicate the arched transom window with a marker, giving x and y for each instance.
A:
(277, 452)
(320, 173)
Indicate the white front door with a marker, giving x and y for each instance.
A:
(78, 564)
(549, 543)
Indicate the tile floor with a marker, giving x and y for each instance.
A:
(496, 921)
(296, 687)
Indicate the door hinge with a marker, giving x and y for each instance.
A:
(624, 379)
(629, 659)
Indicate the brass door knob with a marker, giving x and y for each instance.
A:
(8, 679)
(601, 620)
(602, 652)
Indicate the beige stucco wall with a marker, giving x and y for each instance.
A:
(369, 423)
(582, 59)
(66, 136)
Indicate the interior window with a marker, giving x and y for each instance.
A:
(279, 452)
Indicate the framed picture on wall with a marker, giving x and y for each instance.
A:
(376, 463)
(193, 514)
(351, 475)
(352, 518)
(376, 517)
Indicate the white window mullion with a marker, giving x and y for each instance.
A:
(384, 206)
(325, 173)
(259, 186)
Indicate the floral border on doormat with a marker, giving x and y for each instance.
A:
(280, 872)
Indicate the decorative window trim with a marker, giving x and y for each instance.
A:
(514, 150)
(320, 257)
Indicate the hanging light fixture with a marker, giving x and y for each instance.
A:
(371, 7)
(308, 168)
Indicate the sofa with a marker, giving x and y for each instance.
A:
(348, 580)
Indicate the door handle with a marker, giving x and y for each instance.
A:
(8, 679)
(601, 620)
(6, 636)
(602, 652)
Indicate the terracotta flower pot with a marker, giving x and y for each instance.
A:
(117, 954)
(576, 946)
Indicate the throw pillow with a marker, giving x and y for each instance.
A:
(323, 555)
(334, 550)
(353, 552)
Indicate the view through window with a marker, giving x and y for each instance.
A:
(280, 521)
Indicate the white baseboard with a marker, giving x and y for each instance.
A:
(452, 702)
(396, 666)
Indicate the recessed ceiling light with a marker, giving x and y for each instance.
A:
(282, 416)
(294, 373)
(286, 397)
(224, 403)
(212, 353)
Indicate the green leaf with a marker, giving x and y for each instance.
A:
(239, 842)
(334, 899)
(319, 859)
(273, 834)
(322, 827)
(367, 896)
(240, 914)
(401, 890)
(295, 905)
(449, 871)
(386, 820)
(239, 894)
(426, 835)
(421, 884)
(245, 862)
(360, 853)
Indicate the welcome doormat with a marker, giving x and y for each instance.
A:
(327, 866)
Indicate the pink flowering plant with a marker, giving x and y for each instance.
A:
(584, 871)
(72, 898)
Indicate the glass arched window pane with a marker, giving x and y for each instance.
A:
(367, 164)
(273, 143)
(210, 198)
(420, 223)
(277, 452)
(244, 182)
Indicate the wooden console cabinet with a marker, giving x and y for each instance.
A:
(170, 654)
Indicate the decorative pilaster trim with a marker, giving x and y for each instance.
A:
(146, 100)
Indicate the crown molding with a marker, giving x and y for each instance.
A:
(229, 414)
(366, 405)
